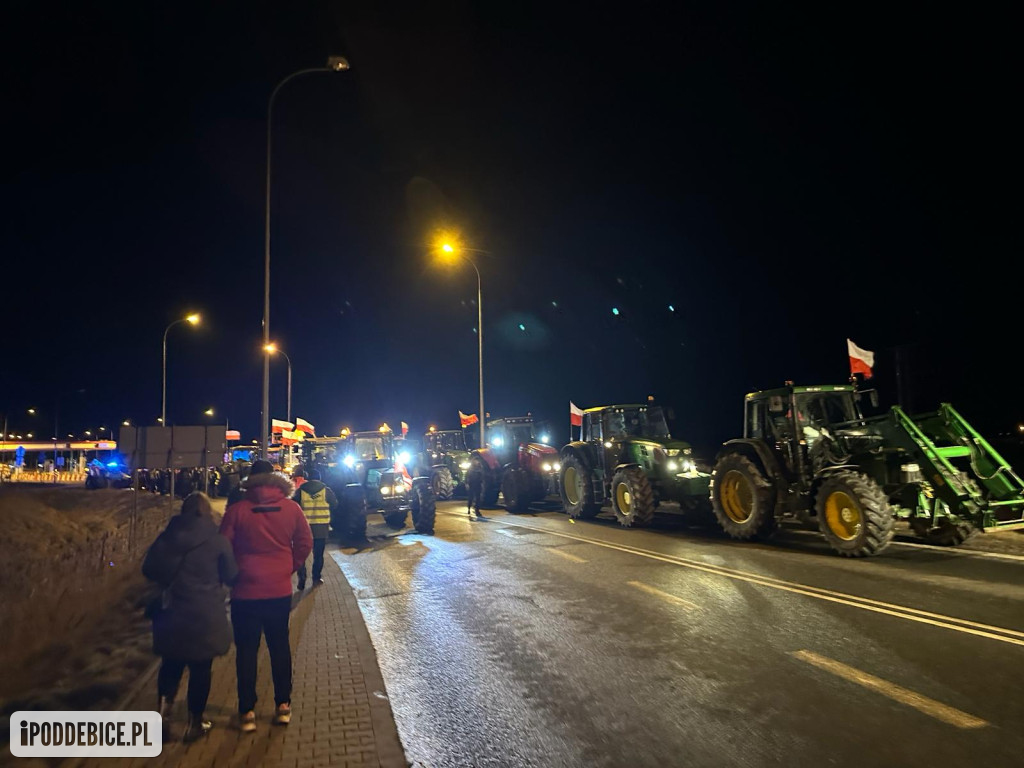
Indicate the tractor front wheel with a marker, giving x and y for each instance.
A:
(515, 490)
(424, 509)
(576, 489)
(442, 484)
(741, 497)
(632, 498)
(854, 514)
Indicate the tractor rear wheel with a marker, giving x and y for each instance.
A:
(424, 509)
(854, 514)
(515, 489)
(577, 490)
(741, 497)
(491, 483)
(441, 483)
(632, 498)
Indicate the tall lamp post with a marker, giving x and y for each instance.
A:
(191, 320)
(458, 251)
(271, 349)
(334, 64)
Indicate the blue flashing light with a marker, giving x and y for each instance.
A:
(615, 311)
(671, 308)
(111, 463)
(522, 327)
(544, 439)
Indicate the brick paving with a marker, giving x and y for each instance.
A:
(340, 713)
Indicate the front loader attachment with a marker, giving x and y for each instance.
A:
(964, 471)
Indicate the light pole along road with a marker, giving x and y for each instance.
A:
(458, 251)
(271, 349)
(334, 64)
(191, 320)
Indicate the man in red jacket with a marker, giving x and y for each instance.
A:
(271, 540)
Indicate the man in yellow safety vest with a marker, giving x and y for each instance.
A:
(317, 502)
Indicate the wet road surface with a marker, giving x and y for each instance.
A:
(533, 640)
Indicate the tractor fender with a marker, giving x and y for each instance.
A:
(583, 451)
(420, 481)
(627, 465)
(755, 450)
(486, 455)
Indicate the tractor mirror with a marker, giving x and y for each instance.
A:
(775, 404)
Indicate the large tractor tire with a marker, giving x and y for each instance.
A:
(741, 497)
(854, 514)
(424, 509)
(515, 488)
(632, 498)
(441, 483)
(350, 520)
(577, 490)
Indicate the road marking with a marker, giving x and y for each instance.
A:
(667, 597)
(566, 555)
(930, 707)
(960, 552)
(965, 626)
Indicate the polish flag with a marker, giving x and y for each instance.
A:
(232, 434)
(405, 428)
(465, 420)
(861, 360)
(304, 426)
(575, 415)
(277, 425)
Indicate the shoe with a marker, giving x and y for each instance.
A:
(197, 728)
(283, 716)
(247, 722)
(317, 582)
(302, 586)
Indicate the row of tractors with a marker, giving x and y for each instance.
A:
(808, 455)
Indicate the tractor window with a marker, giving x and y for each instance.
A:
(452, 441)
(593, 431)
(636, 422)
(519, 434)
(369, 448)
(755, 420)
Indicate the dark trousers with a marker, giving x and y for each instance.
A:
(318, 561)
(250, 619)
(169, 679)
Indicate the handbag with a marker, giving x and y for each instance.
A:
(160, 603)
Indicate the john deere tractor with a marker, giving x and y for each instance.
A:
(628, 459)
(809, 454)
(516, 463)
(376, 480)
(445, 458)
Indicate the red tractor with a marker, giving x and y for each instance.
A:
(516, 463)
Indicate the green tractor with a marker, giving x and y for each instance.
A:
(809, 454)
(444, 459)
(375, 478)
(627, 458)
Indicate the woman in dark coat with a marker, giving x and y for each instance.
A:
(192, 562)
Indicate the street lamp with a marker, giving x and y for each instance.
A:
(208, 412)
(270, 349)
(334, 64)
(192, 319)
(454, 251)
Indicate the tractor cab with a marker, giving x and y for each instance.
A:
(445, 459)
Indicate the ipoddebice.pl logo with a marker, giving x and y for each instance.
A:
(86, 734)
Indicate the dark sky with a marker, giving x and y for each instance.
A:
(784, 177)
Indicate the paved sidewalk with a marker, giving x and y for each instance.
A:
(340, 713)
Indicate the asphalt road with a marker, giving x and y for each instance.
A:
(532, 640)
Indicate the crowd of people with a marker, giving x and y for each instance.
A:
(271, 525)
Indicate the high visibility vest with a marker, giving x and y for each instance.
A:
(315, 506)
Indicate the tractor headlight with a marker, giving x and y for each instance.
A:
(671, 451)
(350, 461)
(689, 465)
(404, 457)
(464, 465)
(546, 466)
(673, 466)
(399, 488)
(557, 466)
(385, 490)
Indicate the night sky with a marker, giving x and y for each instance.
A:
(784, 178)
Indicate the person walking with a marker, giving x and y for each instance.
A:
(474, 492)
(191, 562)
(271, 540)
(318, 503)
(299, 476)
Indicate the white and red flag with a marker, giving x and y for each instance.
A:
(861, 360)
(304, 426)
(465, 420)
(575, 415)
(278, 426)
(405, 428)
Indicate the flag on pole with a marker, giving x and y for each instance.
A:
(292, 437)
(304, 426)
(861, 360)
(405, 428)
(277, 426)
(575, 415)
(465, 420)
(232, 434)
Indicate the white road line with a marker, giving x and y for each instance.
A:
(959, 551)
(964, 626)
(566, 555)
(930, 707)
(666, 596)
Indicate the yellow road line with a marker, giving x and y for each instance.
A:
(930, 707)
(566, 555)
(965, 626)
(669, 598)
